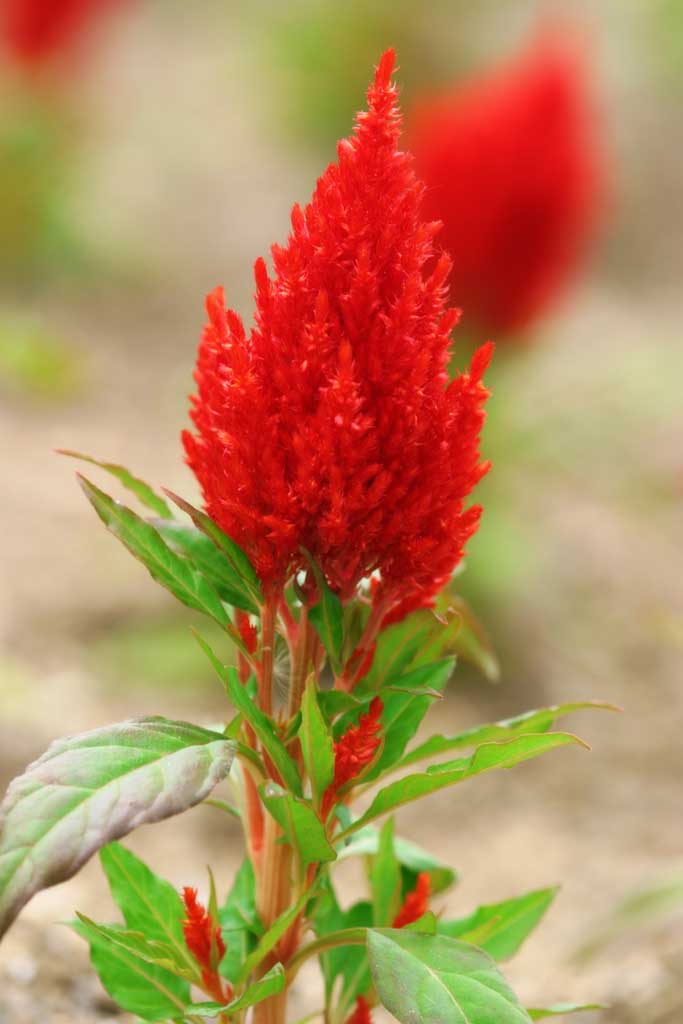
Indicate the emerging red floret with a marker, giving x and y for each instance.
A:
(514, 171)
(35, 31)
(416, 903)
(203, 939)
(332, 426)
(361, 1014)
(353, 752)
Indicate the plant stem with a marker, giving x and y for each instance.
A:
(265, 680)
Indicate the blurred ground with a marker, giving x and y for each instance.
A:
(183, 173)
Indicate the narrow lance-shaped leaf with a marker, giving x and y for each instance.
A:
(327, 616)
(270, 939)
(300, 824)
(411, 857)
(562, 1009)
(316, 744)
(145, 494)
(89, 789)
(238, 560)
(485, 758)
(501, 928)
(148, 546)
(210, 560)
(385, 878)
(538, 721)
(433, 979)
(265, 730)
(138, 986)
(149, 904)
(269, 985)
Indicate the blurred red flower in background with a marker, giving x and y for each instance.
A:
(34, 32)
(332, 426)
(514, 171)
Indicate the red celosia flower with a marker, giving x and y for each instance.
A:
(247, 632)
(361, 1015)
(204, 940)
(34, 31)
(332, 426)
(353, 752)
(416, 903)
(513, 170)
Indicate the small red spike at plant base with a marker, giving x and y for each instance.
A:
(361, 1015)
(247, 632)
(204, 940)
(416, 902)
(354, 751)
(515, 173)
(34, 32)
(331, 426)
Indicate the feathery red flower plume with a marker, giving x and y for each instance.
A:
(513, 170)
(204, 940)
(361, 1014)
(416, 902)
(353, 752)
(34, 31)
(332, 426)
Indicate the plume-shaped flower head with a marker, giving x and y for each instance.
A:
(332, 426)
(514, 170)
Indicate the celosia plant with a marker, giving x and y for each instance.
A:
(514, 169)
(335, 459)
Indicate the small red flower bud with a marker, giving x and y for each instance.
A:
(354, 751)
(247, 632)
(361, 1015)
(204, 940)
(416, 902)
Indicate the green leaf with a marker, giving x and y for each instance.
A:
(501, 928)
(89, 789)
(469, 639)
(385, 878)
(269, 985)
(137, 985)
(239, 921)
(327, 617)
(397, 646)
(149, 904)
(149, 498)
(538, 721)
(210, 560)
(403, 711)
(265, 730)
(560, 1009)
(316, 744)
(348, 962)
(410, 856)
(485, 758)
(270, 939)
(438, 980)
(148, 546)
(300, 824)
(238, 560)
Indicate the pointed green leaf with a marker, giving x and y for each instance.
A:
(410, 856)
(397, 646)
(538, 721)
(270, 939)
(89, 789)
(300, 824)
(148, 546)
(484, 759)
(269, 985)
(327, 617)
(149, 904)
(468, 637)
(143, 492)
(265, 730)
(239, 921)
(210, 560)
(348, 962)
(232, 552)
(560, 1009)
(501, 928)
(137, 985)
(316, 744)
(385, 878)
(437, 980)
